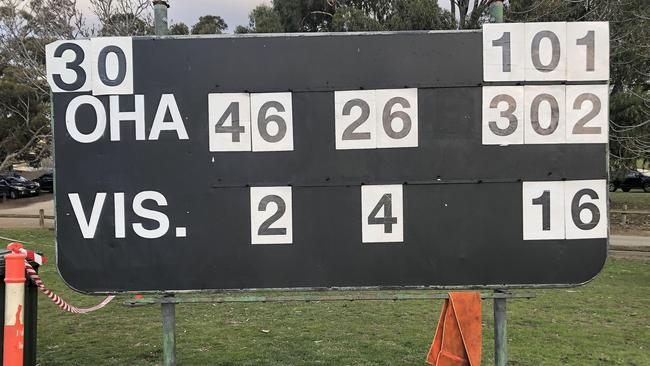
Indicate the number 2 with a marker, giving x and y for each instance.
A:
(349, 132)
(271, 215)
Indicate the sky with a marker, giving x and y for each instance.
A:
(234, 12)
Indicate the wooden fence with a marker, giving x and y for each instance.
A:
(41, 216)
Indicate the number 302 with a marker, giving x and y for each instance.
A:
(545, 114)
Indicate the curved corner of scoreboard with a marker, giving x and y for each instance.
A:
(70, 284)
(69, 280)
(593, 274)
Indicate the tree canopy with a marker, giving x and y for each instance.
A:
(349, 15)
(209, 24)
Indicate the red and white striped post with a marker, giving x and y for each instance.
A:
(14, 332)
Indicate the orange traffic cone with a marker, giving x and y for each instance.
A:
(458, 336)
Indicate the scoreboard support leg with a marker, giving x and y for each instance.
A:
(168, 314)
(500, 331)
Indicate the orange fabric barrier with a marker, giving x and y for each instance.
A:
(458, 335)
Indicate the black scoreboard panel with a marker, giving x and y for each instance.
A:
(317, 161)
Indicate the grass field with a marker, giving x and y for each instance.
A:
(606, 322)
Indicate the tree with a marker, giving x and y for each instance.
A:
(123, 17)
(242, 30)
(264, 19)
(419, 15)
(629, 65)
(25, 28)
(351, 15)
(304, 15)
(477, 14)
(209, 24)
(351, 19)
(179, 29)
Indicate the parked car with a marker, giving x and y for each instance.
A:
(17, 186)
(628, 180)
(46, 181)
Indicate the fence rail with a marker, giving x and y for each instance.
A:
(41, 216)
(624, 212)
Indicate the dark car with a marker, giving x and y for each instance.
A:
(46, 181)
(628, 180)
(17, 186)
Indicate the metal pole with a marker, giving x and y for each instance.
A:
(167, 310)
(500, 315)
(160, 17)
(168, 313)
(496, 12)
(500, 332)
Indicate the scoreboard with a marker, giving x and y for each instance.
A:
(352, 160)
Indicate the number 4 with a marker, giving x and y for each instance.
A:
(229, 119)
(382, 213)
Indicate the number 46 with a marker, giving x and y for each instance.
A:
(245, 122)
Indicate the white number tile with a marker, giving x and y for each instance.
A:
(219, 106)
(503, 115)
(588, 60)
(586, 213)
(503, 52)
(545, 50)
(390, 211)
(267, 225)
(545, 114)
(587, 114)
(112, 65)
(274, 122)
(58, 66)
(356, 129)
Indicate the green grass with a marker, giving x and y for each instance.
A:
(606, 322)
(635, 200)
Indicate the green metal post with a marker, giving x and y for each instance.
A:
(167, 310)
(500, 315)
(168, 313)
(160, 17)
(500, 332)
(496, 12)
